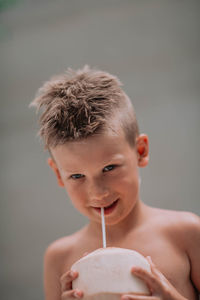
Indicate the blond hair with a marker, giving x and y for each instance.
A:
(83, 103)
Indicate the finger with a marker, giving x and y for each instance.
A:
(154, 269)
(150, 260)
(137, 297)
(72, 294)
(66, 280)
(152, 265)
(149, 278)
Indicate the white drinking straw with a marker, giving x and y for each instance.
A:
(103, 227)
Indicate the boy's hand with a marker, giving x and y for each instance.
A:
(159, 287)
(66, 285)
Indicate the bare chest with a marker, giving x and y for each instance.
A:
(168, 258)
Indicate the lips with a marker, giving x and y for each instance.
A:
(107, 209)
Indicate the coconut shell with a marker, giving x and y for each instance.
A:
(105, 274)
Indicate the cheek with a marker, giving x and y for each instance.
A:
(76, 193)
(129, 185)
(76, 199)
(129, 176)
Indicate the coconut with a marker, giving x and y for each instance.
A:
(105, 274)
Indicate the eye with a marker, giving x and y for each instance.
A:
(109, 168)
(76, 176)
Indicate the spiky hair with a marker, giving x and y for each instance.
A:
(82, 103)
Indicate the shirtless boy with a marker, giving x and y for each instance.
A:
(89, 126)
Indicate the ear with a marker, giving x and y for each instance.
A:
(142, 148)
(53, 166)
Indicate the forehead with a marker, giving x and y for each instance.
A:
(95, 150)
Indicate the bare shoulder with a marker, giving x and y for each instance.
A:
(63, 247)
(57, 250)
(171, 218)
(60, 245)
(182, 229)
(181, 225)
(183, 221)
(187, 235)
(57, 260)
(188, 222)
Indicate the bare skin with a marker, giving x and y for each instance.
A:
(170, 238)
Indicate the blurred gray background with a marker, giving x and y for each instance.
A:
(153, 47)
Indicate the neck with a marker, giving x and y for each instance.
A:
(116, 233)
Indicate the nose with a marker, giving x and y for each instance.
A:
(98, 191)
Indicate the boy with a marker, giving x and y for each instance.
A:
(90, 129)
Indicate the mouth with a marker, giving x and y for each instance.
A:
(107, 209)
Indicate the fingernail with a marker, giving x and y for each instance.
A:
(73, 273)
(125, 298)
(134, 269)
(149, 257)
(77, 294)
(151, 262)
